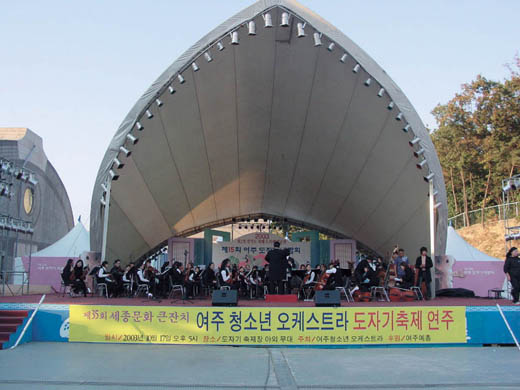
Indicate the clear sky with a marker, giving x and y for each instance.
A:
(71, 70)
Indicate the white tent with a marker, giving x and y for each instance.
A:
(73, 244)
(470, 268)
(50, 260)
(461, 250)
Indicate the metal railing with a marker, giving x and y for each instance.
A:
(491, 213)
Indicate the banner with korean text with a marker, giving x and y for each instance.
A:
(260, 326)
(250, 250)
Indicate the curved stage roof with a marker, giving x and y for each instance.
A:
(307, 128)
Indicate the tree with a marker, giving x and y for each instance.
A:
(478, 140)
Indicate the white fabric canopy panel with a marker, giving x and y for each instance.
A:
(307, 128)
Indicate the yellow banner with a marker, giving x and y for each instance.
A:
(280, 325)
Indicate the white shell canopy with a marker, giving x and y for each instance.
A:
(290, 121)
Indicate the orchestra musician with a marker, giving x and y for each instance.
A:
(407, 281)
(189, 280)
(365, 275)
(277, 259)
(103, 276)
(226, 275)
(424, 264)
(308, 282)
(67, 272)
(143, 274)
(209, 279)
(256, 283)
(324, 277)
(77, 277)
(117, 277)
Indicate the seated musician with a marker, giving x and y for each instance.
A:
(307, 286)
(365, 275)
(77, 278)
(189, 280)
(255, 282)
(407, 281)
(117, 277)
(104, 277)
(209, 279)
(243, 281)
(197, 278)
(226, 275)
(334, 278)
(142, 277)
(265, 275)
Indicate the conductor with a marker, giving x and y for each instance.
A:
(277, 259)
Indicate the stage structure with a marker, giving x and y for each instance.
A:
(273, 114)
(35, 208)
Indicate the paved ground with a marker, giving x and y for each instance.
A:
(113, 367)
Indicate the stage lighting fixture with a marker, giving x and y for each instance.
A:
(251, 28)
(437, 205)
(268, 20)
(421, 164)
(118, 163)
(125, 151)
(390, 105)
(418, 153)
(149, 114)
(171, 90)
(414, 141)
(300, 27)
(194, 66)
(429, 177)
(139, 126)
(407, 128)
(234, 38)
(103, 202)
(18, 174)
(331, 47)
(344, 58)
(25, 176)
(285, 19)
(435, 193)
(2, 222)
(32, 179)
(356, 68)
(381, 92)
(368, 81)
(220, 46)
(132, 139)
(399, 117)
(5, 166)
(113, 175)
(514, 236)
(207, 56)
(181, 79)
(105, 188)
(158, 102)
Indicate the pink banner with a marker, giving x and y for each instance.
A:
(479, 276)
(46, 271)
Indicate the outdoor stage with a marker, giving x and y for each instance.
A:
(438, 322)
(56, 299)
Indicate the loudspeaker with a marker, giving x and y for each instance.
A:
(327, 298)
(224, 298)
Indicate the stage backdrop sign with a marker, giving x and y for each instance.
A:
(46, 271)
(271, 326)
(251, 249)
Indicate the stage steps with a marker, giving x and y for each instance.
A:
(11, 323)
(287, 298)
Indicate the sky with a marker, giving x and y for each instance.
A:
(71, 70)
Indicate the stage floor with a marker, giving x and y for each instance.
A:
(67, 300)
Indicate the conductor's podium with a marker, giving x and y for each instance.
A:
(287, 298)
